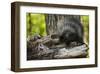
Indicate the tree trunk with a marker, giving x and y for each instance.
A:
(51, 23)
(52, 19)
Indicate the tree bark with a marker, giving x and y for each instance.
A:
(52, 19)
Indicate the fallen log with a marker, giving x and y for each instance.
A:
(79, 51)
(48, 47)
(43, 52)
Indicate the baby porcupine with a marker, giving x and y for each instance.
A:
(70, 30)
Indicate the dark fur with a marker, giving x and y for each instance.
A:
(70, 30)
